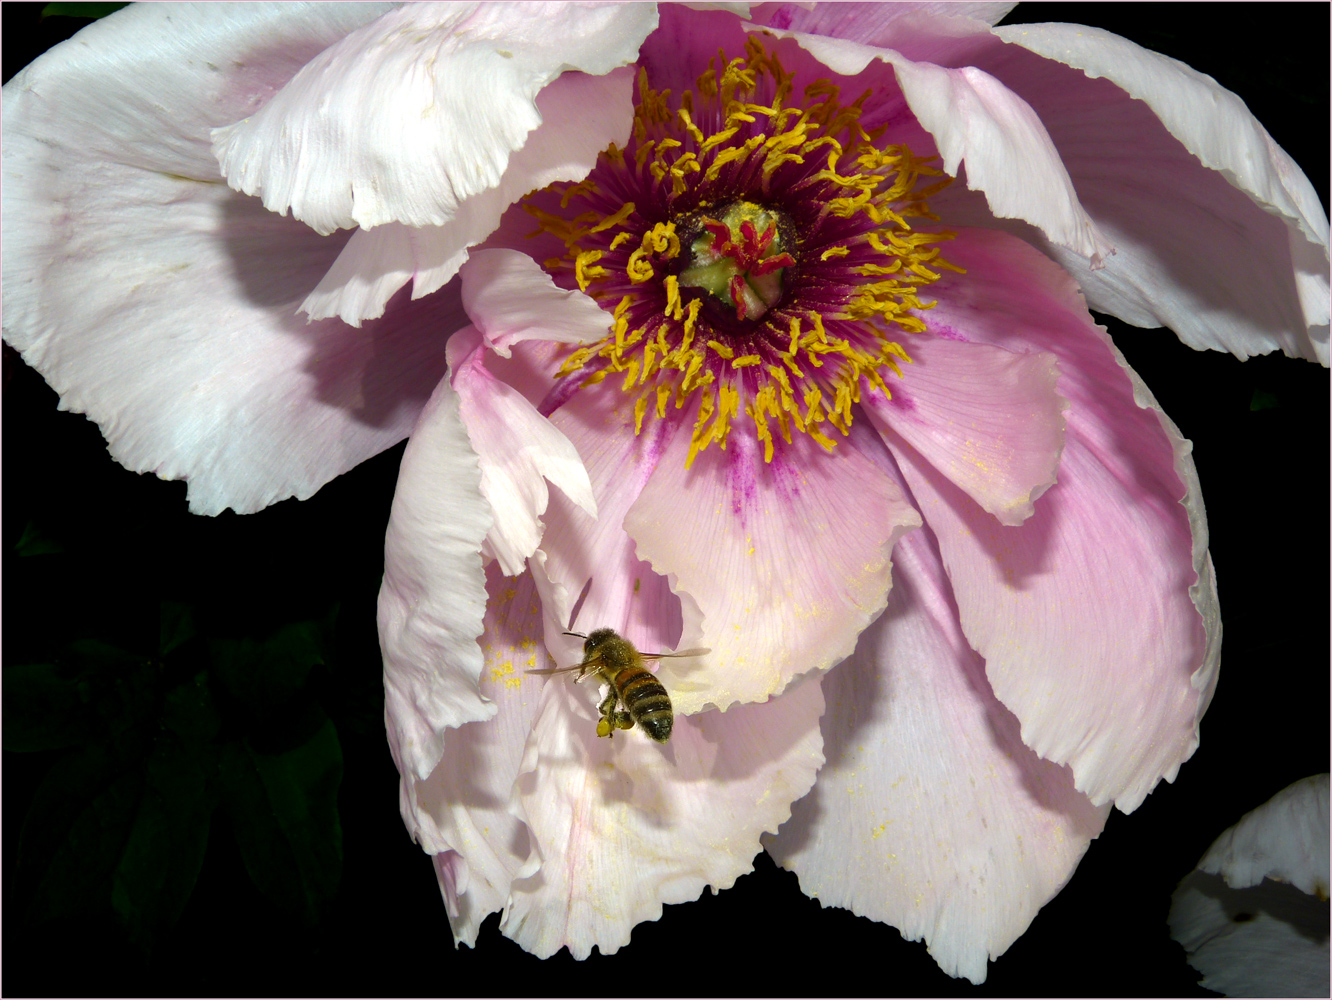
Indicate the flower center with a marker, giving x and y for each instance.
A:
(739, 259)
(753, 254)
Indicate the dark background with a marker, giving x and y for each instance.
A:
(91, 551)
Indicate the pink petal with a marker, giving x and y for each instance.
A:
(871, 23)
(988, 419)
(518, 449)
(589, 565)
(786, 562)
(162, 304)
(931, 814)
(408, 117)
(461, 812)
(1219, 234)
(377, 262)
(973, 117)
(1097, 617)
(433, 596)
(624, 825)
(511, 299)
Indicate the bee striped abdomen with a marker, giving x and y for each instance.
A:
(647, 701)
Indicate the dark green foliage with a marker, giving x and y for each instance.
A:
(154, 744)
(92, 11)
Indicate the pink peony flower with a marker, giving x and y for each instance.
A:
(807, 406)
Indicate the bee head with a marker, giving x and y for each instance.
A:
(596, 639)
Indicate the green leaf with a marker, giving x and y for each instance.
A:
(284, 810)
(36, 542)
(264, 674)
(79, 874)
(189, 712)
(1263, 401)
(73, 781)
(122, 687)
(91, 10)
(166, 844)
(43, 709)
(177, 626)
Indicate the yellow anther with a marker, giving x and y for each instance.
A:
(691, 317)
(626, 210)
(585, 271)
(674, 306)
(631, 375)
(880, 185)
(638, 267)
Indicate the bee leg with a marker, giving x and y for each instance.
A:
(623, 720)
(606, 724)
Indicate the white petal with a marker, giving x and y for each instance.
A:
(624, 825)
(511, 299)
(1254, 918)
(377, 262)
(461, 812)
(1286, 838)
(408, 117)
(931, 814)
(433, 596)
(1219, 234)
(162, 304)
(975, 118)
(1270, 940)
(519, 450)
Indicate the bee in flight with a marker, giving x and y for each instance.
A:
(612, 658)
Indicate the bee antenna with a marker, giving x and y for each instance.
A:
(576, 635)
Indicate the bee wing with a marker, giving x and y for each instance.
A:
(555, 670)
(677, 653)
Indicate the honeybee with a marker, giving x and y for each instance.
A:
(612, 658)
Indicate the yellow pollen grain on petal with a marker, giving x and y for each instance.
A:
(747, 361)
(595, 377)
(831, 252)
(721, 349)
(663, 397)
(621, 239)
